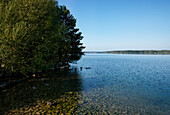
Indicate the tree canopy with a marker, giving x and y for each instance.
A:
(36, 35)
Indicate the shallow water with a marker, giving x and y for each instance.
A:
(132, 83)
(115, 84)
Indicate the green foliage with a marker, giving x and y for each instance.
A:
(36, 35)
(73, 51)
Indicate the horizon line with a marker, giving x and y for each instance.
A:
(128, 50)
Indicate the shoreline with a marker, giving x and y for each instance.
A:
(144, 52)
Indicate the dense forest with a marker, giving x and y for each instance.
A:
(36, 35)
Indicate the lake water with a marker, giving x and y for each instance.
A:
(115, 84)
(127, 83)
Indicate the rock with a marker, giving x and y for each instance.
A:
(33, 75)
(47, 84)
(124, 112)
(42, 79)
(115, 112)
(88, 68)
(80, 102)
(30, 110)
(70, 93)
(34, 87)
(3, 85)
(137, 114)
(37, 106)
(38, 113)
(4, 90)
(113, 106)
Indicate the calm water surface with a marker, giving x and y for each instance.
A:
(126, 83)
(115, 84)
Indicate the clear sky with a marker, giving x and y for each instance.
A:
(122, 24)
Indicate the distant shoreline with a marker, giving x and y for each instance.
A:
(153, 52)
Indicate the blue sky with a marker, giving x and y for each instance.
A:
(122, 24)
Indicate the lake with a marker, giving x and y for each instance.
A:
(129, 83)
(114, 84)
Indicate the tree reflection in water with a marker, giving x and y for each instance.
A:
(32, 96)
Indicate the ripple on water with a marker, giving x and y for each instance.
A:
(116, 84)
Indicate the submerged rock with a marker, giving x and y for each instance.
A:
(4, 90)
(47, 84)
(34, 87)
(88, 68)
(42, 79)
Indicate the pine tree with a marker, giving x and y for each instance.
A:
(36, 35)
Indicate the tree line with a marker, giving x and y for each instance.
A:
(36, 35)
(159, 52)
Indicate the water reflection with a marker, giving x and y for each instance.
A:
(32, 96)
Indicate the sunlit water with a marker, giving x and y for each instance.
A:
(126, 83)
(115, 84)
